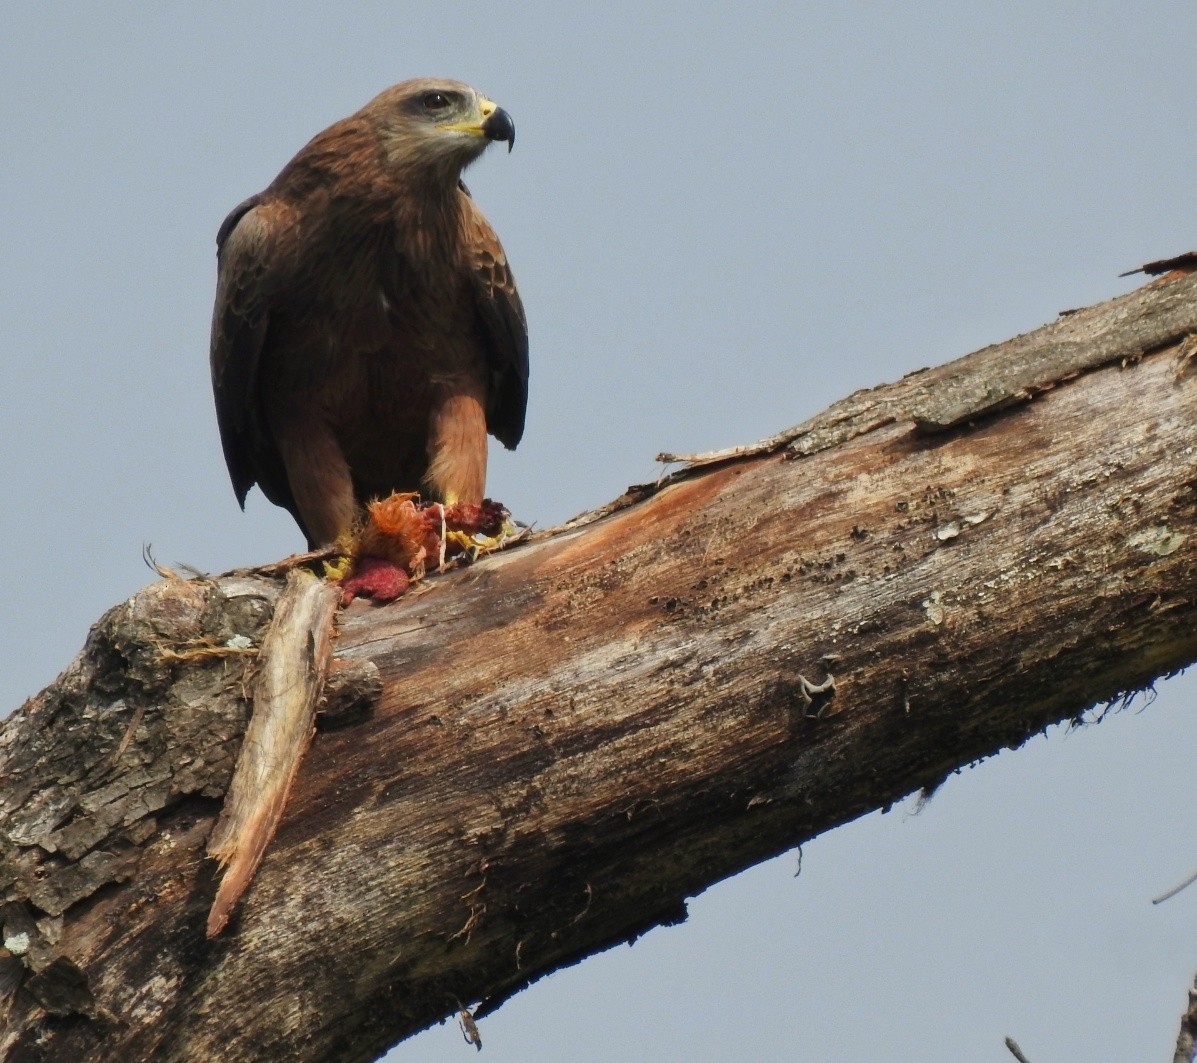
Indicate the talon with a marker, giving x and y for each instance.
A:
(338, 568)
(402, 536)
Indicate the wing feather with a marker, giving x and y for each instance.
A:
(240, 326)
(504, 327)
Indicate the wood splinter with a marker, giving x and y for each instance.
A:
(292, 666)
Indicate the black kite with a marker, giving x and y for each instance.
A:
(367, 332)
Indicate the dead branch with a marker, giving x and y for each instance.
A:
(1015, 1051)
(546, 753)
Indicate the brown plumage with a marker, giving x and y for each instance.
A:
(367, 332)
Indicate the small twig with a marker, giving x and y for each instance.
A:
(712, 457)
(278, 568)
(1015, 1051)
(1175, 889)
(1185, 263)
(204, 652)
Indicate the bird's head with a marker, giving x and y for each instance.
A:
(438, 126)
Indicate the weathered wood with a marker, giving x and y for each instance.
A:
(575, 735)
(291, 668)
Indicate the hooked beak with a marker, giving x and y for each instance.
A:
(497, 124)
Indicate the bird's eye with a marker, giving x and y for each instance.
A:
(436, 101)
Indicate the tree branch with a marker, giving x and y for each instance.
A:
(575, 735)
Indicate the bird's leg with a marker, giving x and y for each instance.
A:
(402, 536)
(457, 475)
(457, 449)
(319, 478)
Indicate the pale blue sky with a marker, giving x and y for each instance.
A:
(721, 220)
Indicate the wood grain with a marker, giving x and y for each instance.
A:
(574, 736)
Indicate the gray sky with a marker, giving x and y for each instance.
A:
(721, 220)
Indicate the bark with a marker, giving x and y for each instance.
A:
(543, 754)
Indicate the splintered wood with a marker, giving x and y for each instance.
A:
(567, 740)
(291, 669)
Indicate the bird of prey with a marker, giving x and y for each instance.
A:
(367, 334)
